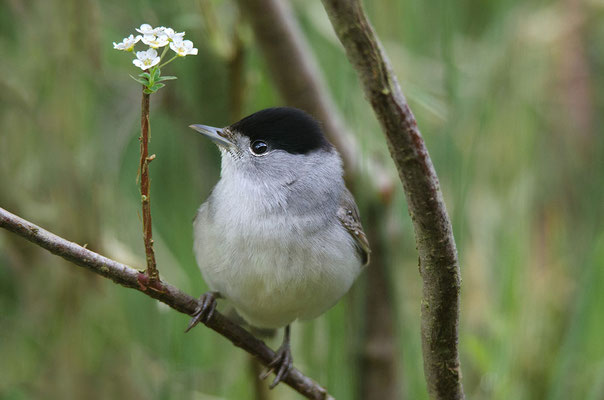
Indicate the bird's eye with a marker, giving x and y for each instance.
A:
(259, 147)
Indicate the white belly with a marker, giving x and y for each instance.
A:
(273, 271)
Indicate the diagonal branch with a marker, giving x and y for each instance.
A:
(439, 267)
(295, 71)
(166, 293)
(300, 82)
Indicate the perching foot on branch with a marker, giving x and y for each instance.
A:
(205, 310)
(282, 363)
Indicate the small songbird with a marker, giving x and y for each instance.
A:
(280, 235)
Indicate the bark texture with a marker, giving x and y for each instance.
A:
(145, 189)
(439, 266)
(164, 292)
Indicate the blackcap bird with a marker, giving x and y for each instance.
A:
(280, 235)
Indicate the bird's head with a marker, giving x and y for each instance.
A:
(275, 144)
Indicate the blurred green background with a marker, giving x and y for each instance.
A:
(509, 96)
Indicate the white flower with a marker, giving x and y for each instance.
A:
(183, 47)
(155, 41)
(127, 44)
(146, 59)
(147, 29)
(173, 36)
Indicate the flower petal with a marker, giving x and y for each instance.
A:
(139, 64)
(141, 55)
(145, 29)
(155, 61)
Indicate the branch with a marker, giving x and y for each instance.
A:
(300, 83)
(145, 195)
(439, 267)
(164, 292)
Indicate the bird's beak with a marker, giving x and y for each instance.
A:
(216, 135)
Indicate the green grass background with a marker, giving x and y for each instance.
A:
(518, 145)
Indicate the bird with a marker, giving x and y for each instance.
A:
(280, 236)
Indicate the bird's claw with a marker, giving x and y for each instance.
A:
(281, 365)
(204, 310)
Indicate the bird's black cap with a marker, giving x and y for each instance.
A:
(285, 128)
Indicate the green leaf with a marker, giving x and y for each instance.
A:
(147, 91)
(156, 74)
(145, 75)
(166, 78)
(140, 80)
(157, 86)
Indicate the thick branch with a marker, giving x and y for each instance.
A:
(166, 293)
(145, 192)
(435, 243)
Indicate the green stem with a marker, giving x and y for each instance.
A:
(167, 62)
(164, 52)
(152, 71)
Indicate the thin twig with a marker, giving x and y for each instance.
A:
(439, 266)
(164, 292)
(145, 192)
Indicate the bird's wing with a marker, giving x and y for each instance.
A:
(348, 214)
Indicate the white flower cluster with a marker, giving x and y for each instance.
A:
(155, 38)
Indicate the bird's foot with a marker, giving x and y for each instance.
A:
(282, 363)
(205, 309)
